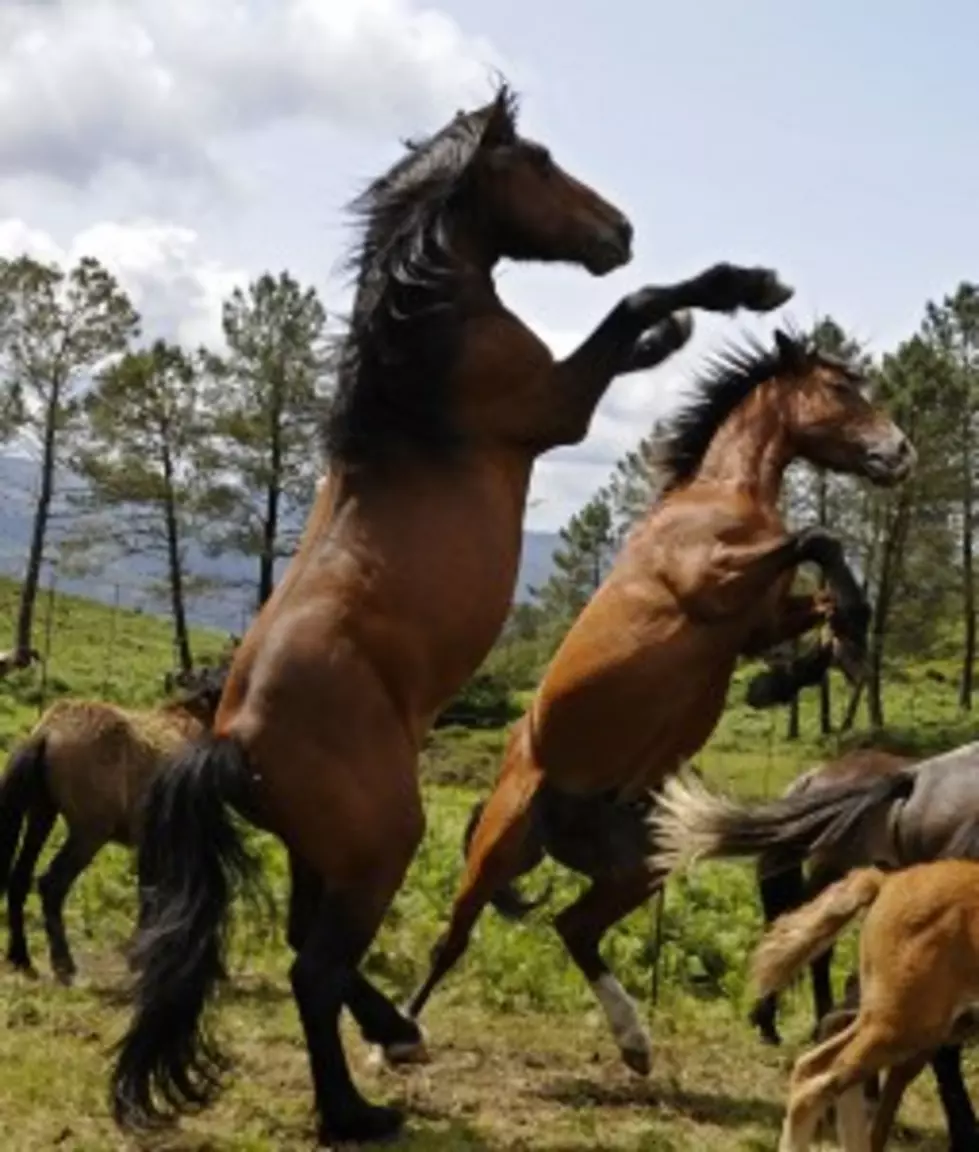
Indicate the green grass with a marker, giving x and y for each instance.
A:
(522, 1059)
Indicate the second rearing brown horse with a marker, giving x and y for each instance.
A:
(399, 587)
(640, 681)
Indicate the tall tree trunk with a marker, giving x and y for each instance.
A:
(968, 577)
(42, 512)
(175, 566)
(825, 698)
(892, 556)
(793, 728)
(270, 527)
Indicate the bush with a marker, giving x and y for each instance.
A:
(485, 702)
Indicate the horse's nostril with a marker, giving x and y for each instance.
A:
(624, 231)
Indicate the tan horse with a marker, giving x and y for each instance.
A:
(640, 680)
(919, 982)
(92, 763)
(401, 583)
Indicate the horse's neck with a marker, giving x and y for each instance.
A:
(750, 452)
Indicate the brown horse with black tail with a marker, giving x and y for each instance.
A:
(399, 587)
(640, 681)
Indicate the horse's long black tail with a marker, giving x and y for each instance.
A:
(191, 862)
(507, 900)
(21, 782)
(690, 823)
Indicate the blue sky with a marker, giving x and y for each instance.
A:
(836, 141)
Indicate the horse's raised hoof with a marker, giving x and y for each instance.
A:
(638, 1060)
(764, 292)
(368, 1124)
(681, 327)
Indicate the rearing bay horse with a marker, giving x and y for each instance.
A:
(640, 681)
(399, 587)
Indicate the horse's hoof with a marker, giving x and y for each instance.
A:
(369, 1124)
(65, 976)
(682, 325)
(767, 292)
(399, 1055)
(638, 1060)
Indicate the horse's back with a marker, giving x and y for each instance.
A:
(100, 759)
(850, 768)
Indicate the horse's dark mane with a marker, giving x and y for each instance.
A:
(729, 378)
(392, 359)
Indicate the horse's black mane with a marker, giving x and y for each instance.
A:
(391, 361)
(730, 376)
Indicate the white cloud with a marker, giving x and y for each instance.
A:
(86, 85)
(171, 282)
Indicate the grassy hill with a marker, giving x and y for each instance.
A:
(522, 1058)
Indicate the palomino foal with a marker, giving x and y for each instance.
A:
(919, 981)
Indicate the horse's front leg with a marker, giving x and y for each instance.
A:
(644, 329)
(718, 581)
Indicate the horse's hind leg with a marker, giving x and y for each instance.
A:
(496, 856)
(581, 926)
(862, 1050)
(71, 861)
(895, 1084)
(379, 1020)
(322, 976)
(963, 1132)
(40, 821)
(780, 891)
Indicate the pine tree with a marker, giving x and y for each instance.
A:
(138, 453)
(56, 328)
(268, 394)
(584, 556)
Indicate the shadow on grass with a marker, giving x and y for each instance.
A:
(707, 1108)
(717, 1109)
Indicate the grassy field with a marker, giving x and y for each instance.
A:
(522, 1059)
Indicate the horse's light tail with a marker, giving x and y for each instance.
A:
(21, 783)
(690, 823)
(797, 938)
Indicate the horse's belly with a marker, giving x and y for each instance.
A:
(630, 741)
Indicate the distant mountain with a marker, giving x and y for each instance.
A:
(138, 579)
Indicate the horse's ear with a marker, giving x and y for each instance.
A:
(792, 352)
